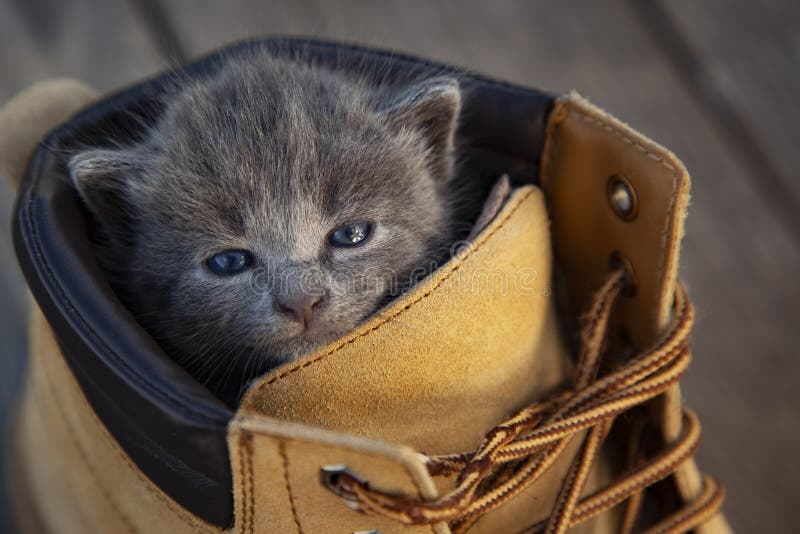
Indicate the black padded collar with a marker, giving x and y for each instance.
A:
(169, 425)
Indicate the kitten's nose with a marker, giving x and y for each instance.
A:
(300, 308)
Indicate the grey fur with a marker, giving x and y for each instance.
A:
(270, 155)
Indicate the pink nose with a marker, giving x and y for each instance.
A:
(300, 308)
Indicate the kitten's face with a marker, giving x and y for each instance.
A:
(288, 215)
(272, 211)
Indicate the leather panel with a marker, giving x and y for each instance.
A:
(585, 147)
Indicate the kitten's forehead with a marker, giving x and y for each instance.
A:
(281, 155)
(290, 230)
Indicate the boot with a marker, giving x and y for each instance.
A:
(529, 384)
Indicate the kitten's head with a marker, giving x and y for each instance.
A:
(271, 210)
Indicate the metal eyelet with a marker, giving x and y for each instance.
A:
(619, 260)
(622, 197)
(329, 476)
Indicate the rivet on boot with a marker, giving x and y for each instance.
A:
(622, 197)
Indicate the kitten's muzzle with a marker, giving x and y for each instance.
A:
(300, 308)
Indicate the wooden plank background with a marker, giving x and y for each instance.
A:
(716, 81)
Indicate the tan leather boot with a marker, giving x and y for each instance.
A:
(530, 384)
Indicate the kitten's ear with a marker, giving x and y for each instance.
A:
(432, 108)
(106, 182)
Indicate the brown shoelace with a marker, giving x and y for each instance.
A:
(517, 452)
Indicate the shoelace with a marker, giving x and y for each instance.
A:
(517, 452)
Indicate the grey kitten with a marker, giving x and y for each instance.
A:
(272, 209)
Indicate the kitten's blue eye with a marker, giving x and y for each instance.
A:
(229, 262)
(350, 235)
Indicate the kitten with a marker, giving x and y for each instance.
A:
(272, 209)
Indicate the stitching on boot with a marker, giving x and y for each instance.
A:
(243, 478)
(248, 486)
(282, 452)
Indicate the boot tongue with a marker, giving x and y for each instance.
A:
(437, 369)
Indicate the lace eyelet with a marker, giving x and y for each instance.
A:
(618, 261)
(331, 477)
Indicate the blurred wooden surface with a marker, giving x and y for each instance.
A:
(715, 81)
